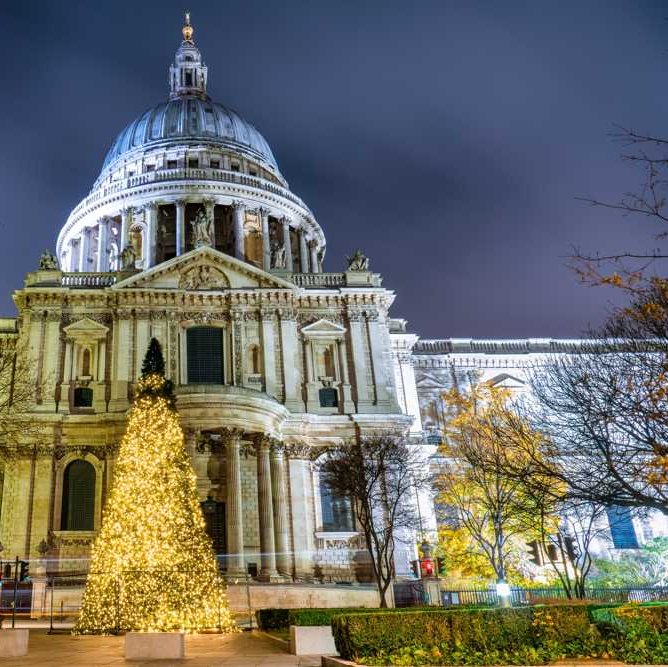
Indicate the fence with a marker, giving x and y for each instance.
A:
(524, 596)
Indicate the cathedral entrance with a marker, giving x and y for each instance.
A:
(214, 518)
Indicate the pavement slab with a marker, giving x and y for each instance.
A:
(246, 649)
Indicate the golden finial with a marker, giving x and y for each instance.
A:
(188, 30)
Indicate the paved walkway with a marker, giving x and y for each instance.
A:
(240, 650)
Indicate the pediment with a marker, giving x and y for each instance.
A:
(507, 381)
(323, 329)
(86, 328)
(203, 269)
(428, 381)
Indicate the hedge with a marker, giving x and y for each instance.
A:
(274, 619)
(531, 635)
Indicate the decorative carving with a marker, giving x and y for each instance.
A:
(298, 450)
(277, 255)
(238, 204)
(128, 258)
(202, 226)
(48, 261)
(358, 261)
(203, 277)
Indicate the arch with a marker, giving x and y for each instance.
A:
(78, 496)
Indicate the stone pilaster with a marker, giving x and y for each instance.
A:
(239, 209)
(301, 502)
(234, 505)
(180, 227)
(291, 374)
(289, 263)
(357, 333)
(265, 512)
(85, 250)
(268, 350)
(279, 493)
(346, 391)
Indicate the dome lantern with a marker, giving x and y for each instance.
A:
(187, 76)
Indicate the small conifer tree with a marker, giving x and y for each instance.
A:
(152, 565)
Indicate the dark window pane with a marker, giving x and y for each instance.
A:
(205, 355)
(83, 397)
(78, 496)
(328, 397)
(621, 528)
(337, 512)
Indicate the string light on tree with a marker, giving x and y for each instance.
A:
(152, 564)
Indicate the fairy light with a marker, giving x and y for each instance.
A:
(152, 565)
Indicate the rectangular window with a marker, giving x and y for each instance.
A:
(622, 530)
(189, 78)
(193, 163)
(205, 355)
(171, 164)
(150, 167)
(215, 164)
(235, 166)
(252, 172)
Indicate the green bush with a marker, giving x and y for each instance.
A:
(531, 635)
(272, 619)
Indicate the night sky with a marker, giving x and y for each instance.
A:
(448, 140)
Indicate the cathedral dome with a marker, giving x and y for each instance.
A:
(190, 119)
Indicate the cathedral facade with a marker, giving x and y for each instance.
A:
(191, 235)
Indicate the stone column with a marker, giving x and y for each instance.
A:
(288, 244)
(234, 506)
(209, 205)
(102, 243)
(303, 251)
(84, 246)
(265, 511)
(239, 217)
(151, 211)
(279, 493)
(75, 245)
(268, 352)
(180, 227)
(266, 248)
(126, 217)
(313, 248)
(302, 503)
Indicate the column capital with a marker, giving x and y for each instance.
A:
(127, 210)
(180, 202)
(268, 313)
(298, 450)
(285, 221)
(150, 206)
(312, 243)
(263, 212)
(238, 205)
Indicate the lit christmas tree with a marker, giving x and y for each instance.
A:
(152, 565)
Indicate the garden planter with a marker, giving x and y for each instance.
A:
(154, 646)
(13, 643)
(312, 640)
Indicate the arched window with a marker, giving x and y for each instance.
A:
(205, 355)
(337, 512)
(85, 362)
(78, 509)
(254, 359)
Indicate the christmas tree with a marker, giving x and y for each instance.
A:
(152, 565)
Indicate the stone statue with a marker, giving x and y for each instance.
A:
(48, 262)
(358, 262)
(277, 255)
(203, 277)
(128, 258)
(202, 229)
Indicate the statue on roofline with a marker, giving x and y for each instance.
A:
(48, 262)
(358, 262)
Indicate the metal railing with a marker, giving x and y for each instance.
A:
(525, 596)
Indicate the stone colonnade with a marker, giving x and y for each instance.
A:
(272, 505)
(88, 252)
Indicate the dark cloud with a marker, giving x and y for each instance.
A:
(448, 140)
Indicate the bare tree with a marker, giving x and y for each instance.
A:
(17, 395)
(381, 475)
